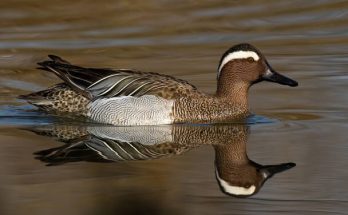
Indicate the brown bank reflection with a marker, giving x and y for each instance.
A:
(235, 173)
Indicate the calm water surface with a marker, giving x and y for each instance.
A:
(307, 125)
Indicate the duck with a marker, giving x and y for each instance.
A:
(127, 97)
(236, 174)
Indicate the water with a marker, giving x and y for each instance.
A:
(305, 125)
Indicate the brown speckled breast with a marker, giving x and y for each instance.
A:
(207, 109)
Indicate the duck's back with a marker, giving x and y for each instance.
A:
(86, 88)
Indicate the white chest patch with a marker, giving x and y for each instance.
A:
(129, 110)
(235, 190)
(238, 55)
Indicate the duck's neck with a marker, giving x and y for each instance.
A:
(233, 91)
(232, 152)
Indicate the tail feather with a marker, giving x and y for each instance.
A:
(63, 70)
(37, 100)
(57, 98)
(57, 59)
(54, 60)
(47, 94)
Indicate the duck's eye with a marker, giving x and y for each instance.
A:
(250, 59)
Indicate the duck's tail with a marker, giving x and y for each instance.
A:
(42, 103)
(68, 72)
(58, 98)
(55, 64)
(45, 98)
(41, 99)
(64, 97)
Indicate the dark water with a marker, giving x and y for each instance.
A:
(306, 40)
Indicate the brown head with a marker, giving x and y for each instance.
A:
(242, 66)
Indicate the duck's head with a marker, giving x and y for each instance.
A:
(244, 63)
(246, 180)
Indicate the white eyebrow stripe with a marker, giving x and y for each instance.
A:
(238, 55)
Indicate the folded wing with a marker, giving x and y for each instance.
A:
(96, 83)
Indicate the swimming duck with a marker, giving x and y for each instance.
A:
(128, 97)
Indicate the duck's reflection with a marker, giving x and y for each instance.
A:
(236, 174)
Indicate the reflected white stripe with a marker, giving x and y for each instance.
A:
(235, 190)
